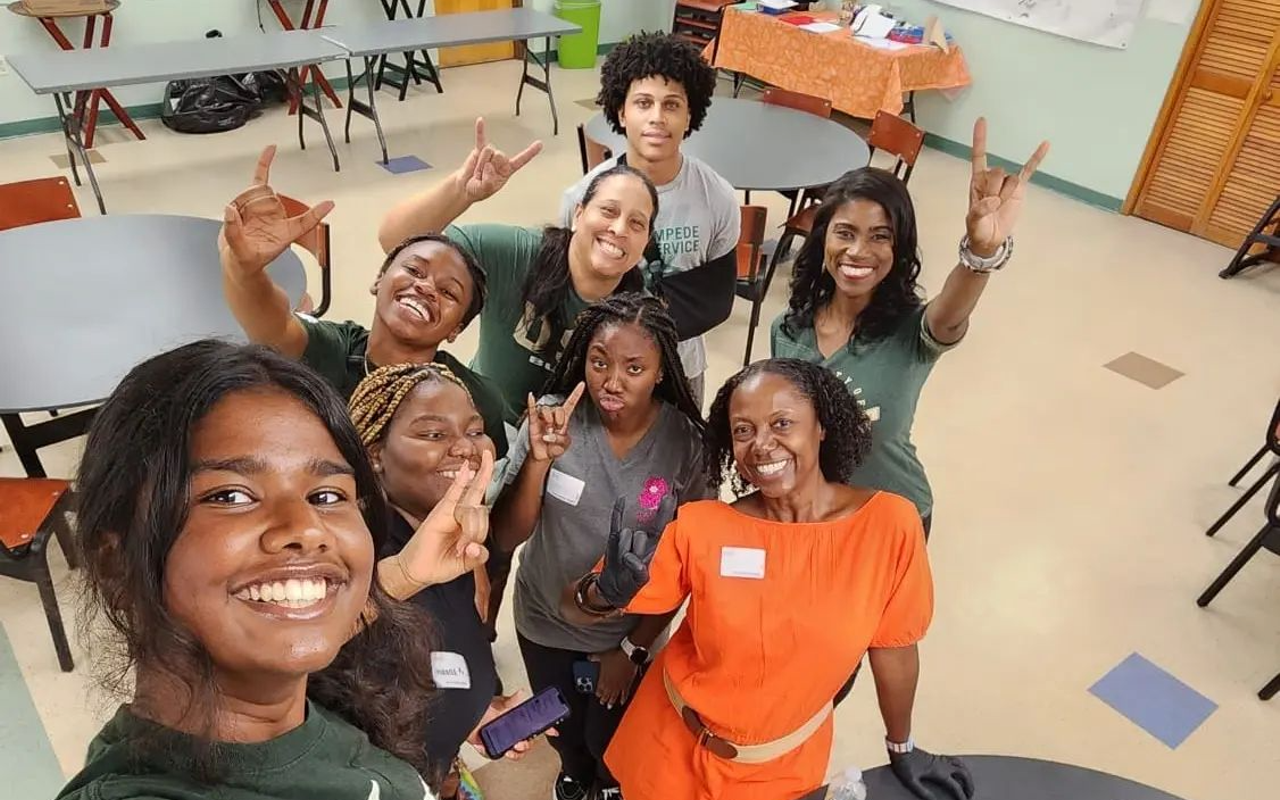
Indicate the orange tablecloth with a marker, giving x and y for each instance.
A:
(856, 77)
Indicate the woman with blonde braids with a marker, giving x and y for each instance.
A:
(421, 427)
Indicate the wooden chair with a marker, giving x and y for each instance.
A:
(31, 511)
(1271, 444)
(593, 153)
(317, 242)
(753, 275)
(809, 104)
(32, 202)
(899, 138)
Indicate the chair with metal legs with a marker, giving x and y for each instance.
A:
(32, 511)
(1272, 445)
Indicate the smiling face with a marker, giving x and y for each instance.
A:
(859, 247)
(435, 431)
(274, 563)
(776, 435)
(623, 366)
(424, 295)
(611, 230)
(656, 118)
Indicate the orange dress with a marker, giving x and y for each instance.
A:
(760, 654)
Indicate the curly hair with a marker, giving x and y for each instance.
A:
(662, 55)
(846, 426)
(812, 286)
(132, 501)
(479, 280)
(377, 398)
(623, 309)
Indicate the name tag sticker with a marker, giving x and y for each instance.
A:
(742, 562)
(564, 487)
(449, 670)
(873, 413)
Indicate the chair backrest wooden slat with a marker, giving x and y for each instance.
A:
(798, 101)
(24, 505)
(40, 200)
(900, 138)
(750, 240)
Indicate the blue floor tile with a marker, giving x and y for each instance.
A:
(27, 762)
(402, 164)
(1154, 700)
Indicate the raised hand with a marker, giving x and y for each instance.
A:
(450, 541)
(549, 426)
(255, 227)
(995, 197)
(629, 551)
(487, 169)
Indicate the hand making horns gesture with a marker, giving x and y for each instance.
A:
(549, 426)
(487, 169)
(995, 197)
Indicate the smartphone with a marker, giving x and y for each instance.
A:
(586, 674)
(544, 710)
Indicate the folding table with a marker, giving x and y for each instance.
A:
(312, 18)
(419, 69)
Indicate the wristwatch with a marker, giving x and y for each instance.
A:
(900, 748)
(638, 655)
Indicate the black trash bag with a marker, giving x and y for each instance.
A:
(209, 105)
(270, 87)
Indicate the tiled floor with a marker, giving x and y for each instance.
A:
(1071, 500)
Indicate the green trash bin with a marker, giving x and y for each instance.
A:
(578, 51)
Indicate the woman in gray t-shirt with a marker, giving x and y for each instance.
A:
(638, 438)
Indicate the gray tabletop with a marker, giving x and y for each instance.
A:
(758, 146)
(1014, 778)
(393, 36)
(73, 70)
(84, 300)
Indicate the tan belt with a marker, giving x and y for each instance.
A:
(742, 753)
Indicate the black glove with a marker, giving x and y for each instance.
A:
(627, 556)
(931, 777)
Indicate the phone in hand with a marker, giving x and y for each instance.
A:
(586, 674)
(534, 716)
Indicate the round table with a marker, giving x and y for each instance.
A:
(1014, 778)
(758, 146)
(84, 300)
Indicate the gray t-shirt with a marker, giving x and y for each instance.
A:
(573, 529)
(698, 221)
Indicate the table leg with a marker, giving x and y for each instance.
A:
(543, 83)
(28, 439)
(66, 139)
(27, 455)
(71, 132)
(317, 114)
(312, 72)
(369, 109)
(117, 109)
(95, 96)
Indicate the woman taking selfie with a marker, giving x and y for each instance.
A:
(788, 587)
(636, 435)
(856, 308)
(228, 522)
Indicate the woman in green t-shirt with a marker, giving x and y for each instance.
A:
(856, 308)
(228, 523)
(538, 279)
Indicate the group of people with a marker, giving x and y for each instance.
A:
(292, 540)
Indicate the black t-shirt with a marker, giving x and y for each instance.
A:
(458, 631)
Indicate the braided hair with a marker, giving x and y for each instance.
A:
(846, 425)
(375, 401)
(629, 308)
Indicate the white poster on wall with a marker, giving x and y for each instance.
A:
(1106, 22)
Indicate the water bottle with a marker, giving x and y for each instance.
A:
(848, 785)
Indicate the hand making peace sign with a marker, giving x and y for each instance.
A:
(487, 169)
(255, 227)
(549, 426)
(995, 197)
(450, 541)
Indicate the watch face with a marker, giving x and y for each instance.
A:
(640, 656)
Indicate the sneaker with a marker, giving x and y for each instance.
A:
(610, 794)
(567, 788)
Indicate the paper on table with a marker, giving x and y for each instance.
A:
(820, 27)
(883, 44)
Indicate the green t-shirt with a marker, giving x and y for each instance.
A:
(886, 377)
(510, 350)
(336, 350)
(323, 759)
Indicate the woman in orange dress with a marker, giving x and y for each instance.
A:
(788, 587)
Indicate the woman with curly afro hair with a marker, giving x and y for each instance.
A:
(656, 90)
(787, 587)
(856, 308)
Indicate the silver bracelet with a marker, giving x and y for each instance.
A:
(981, 265)
(900, 748)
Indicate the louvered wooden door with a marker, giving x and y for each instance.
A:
(1213, 166)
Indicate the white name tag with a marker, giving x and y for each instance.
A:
(741, 562)
(873, 413)
(564, 487)
(449, 670)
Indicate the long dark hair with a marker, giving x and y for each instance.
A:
(548, 283)
(624, 309)
(847, 428)
(897, 295)
(132, 498)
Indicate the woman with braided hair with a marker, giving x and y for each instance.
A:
(421, 427)
(638, 437)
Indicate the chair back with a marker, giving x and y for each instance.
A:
(40, 200)
(1273, 431)
(750, 241)
(593, 153)
(799, 101)
(317, 242)
(25, 503)
(900, 138)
